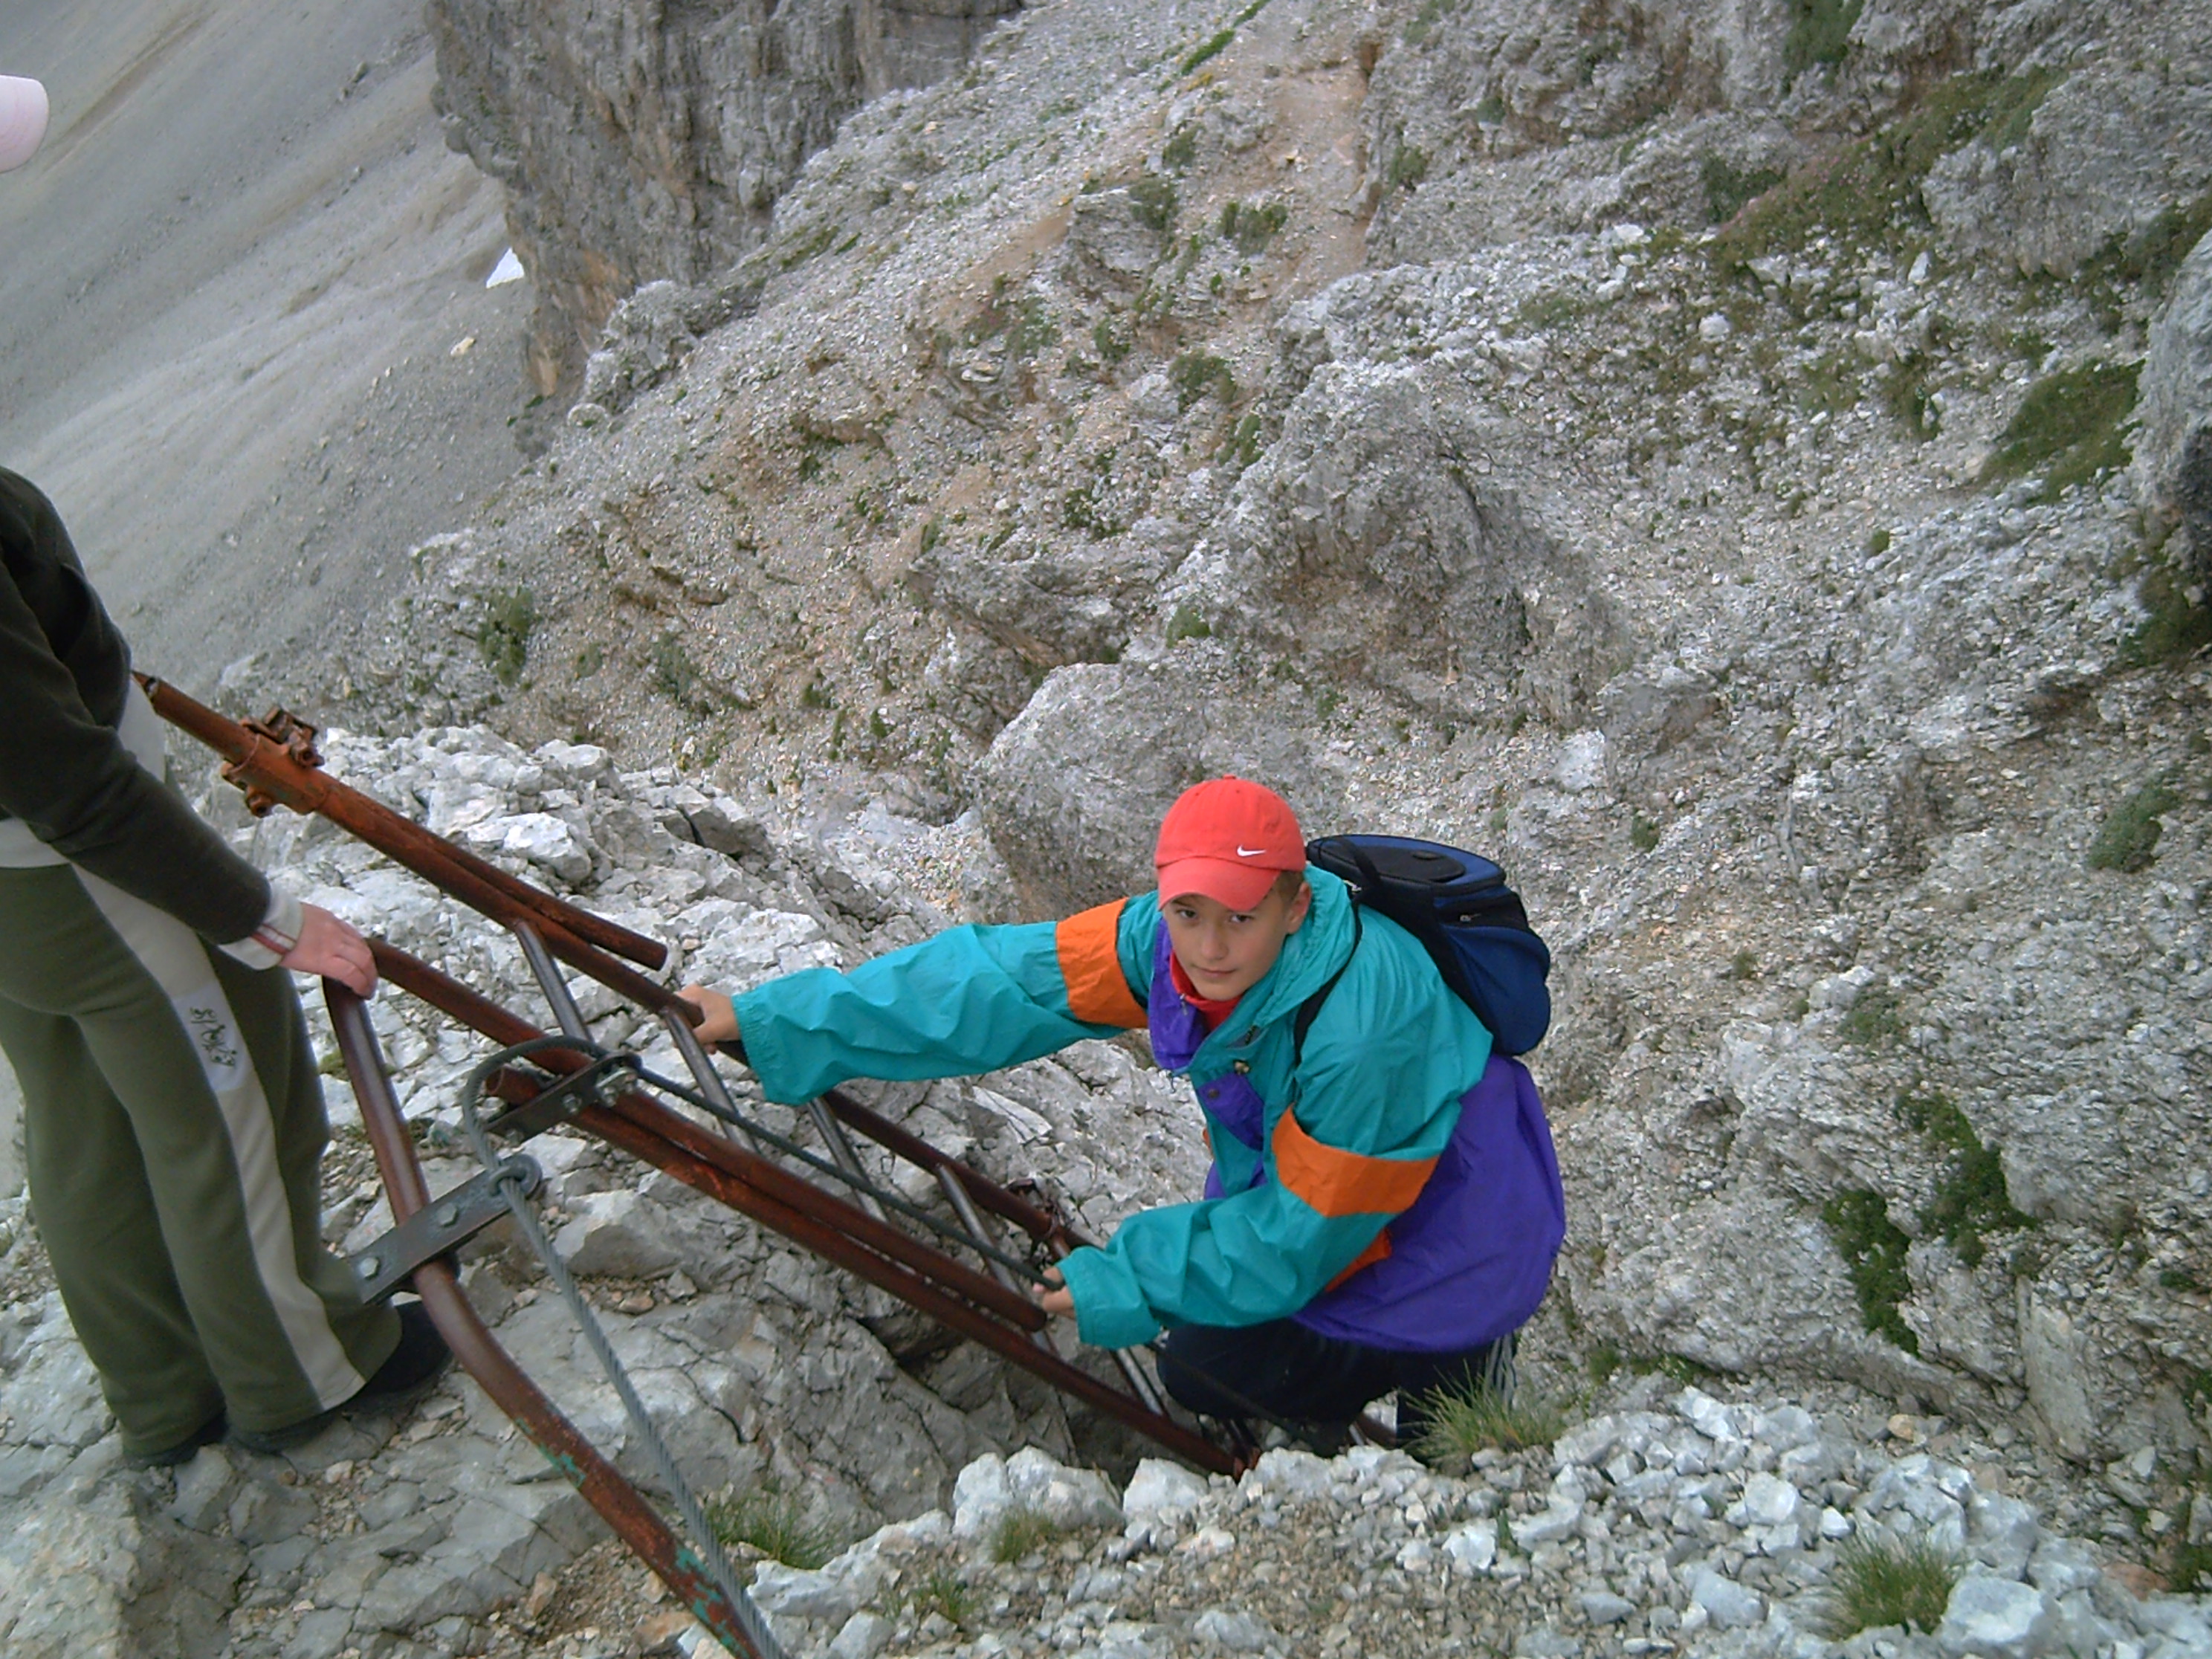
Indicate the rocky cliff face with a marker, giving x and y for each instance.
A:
(1744, 466)
(649, 141)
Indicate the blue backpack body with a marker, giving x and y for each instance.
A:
(1474, 926)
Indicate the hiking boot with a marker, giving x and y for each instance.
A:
(167, 1458)
(415, 1364)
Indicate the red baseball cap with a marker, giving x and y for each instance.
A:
(1227, 839)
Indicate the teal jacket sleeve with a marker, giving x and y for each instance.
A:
(1385, 1065)
(968, 999)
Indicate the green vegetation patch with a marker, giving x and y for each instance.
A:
(2127, 838)
(1970, 1198)
(1465, 1416)
(1244, 443)
(2070, 427)
(1033, 329)
(1194, 374)
(1021, 1533)
(2147, 256)
(1549, 309)
(1873, 1247)
(1820, 33)
(1607, 1358)
(1111, 344)
(503, 636)
(1251, 229)
(1869, 195)
(1875, 1018)
(1081, 509)
(670, 672)
(1409, 165)
(1187, 624)
(944, 1592)
(1909, 396)
(1881, 1581)
(1182, 150)
(1214, 46)
(773, 1521)
(1153, 203)
(1727, 189)
(1422, 22)
(2177, 627)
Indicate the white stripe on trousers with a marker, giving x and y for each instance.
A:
(174, 955)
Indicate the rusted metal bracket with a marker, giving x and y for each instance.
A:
(291, 734)
(444, 1226)
(600, 1084)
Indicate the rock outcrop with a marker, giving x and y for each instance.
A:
(648, 141)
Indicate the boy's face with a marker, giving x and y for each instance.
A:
(1226, 952)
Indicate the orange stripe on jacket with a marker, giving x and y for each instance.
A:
(1341, 1183)
(1091, 962)
(1378, 1250)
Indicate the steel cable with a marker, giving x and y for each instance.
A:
(708, 1547)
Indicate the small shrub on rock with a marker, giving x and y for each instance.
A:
(2129, 837)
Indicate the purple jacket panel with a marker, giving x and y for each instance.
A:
(1471, 1259)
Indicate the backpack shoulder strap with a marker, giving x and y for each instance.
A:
(1310, 1008)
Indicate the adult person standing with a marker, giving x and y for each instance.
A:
(172, 1116)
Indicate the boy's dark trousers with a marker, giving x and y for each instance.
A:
(1282, 1369)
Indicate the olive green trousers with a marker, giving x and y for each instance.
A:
(173, 1126)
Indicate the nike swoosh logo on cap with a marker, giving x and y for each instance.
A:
(1244, 852)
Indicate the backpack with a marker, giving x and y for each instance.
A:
(1471, 924)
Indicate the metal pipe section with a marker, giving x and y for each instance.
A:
(603, 1486)
(841, 1150)
(566, 1014)
(308, 789)
(700, 1064)
(979, 1186)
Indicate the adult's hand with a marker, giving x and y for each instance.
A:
(332, 950)
(719, 1023)
(1054, 1296)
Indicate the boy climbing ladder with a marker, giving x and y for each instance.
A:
(1384, 1205)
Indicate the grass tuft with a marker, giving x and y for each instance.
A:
(1021, 1533)
(1888, 1581)
(1728, 189)
(1465, 1416)
(1153, 203)
(773, 1521)
(943, 1592)
(1187, 624)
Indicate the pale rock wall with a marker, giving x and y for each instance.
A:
(650, 139)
